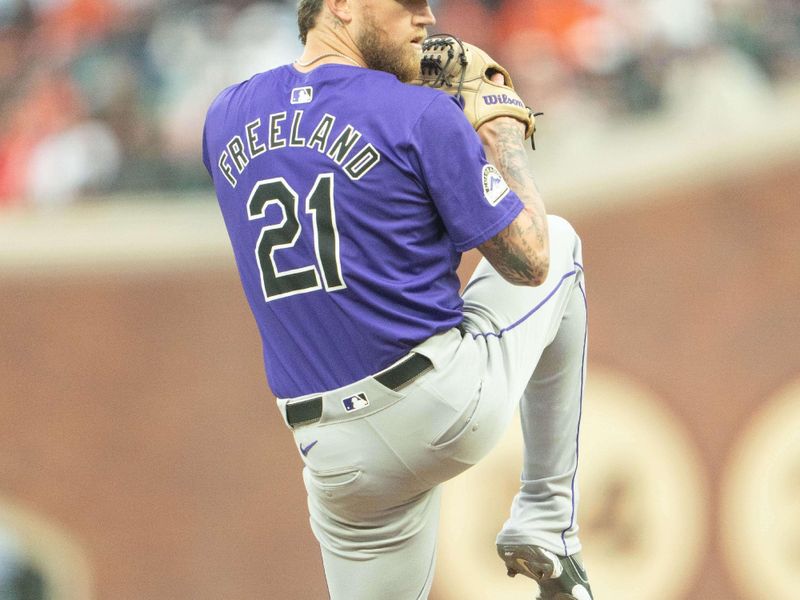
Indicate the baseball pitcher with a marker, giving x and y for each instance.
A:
(351, 182)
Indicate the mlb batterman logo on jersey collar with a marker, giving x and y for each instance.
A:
(495, 187)
(302, 95)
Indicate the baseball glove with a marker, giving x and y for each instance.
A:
(464, 71)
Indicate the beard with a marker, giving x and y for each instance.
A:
(399, 58)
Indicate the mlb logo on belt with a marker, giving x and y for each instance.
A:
(354, 403)
(302, 95)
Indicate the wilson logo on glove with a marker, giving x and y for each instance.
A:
(504, 99)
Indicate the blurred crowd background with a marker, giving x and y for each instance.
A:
(105, 97)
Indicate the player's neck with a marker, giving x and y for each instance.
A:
(324, 46)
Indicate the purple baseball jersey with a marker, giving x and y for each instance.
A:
(349, 198)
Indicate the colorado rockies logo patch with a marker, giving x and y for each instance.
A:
(495, 187)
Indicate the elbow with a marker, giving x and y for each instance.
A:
(540, 267)
(519, 266)
(532, 274)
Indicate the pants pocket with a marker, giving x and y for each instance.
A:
(458, 428)
(334, 479)
(471, 436)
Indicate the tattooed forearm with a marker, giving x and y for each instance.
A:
(512, 161)
(510, 255)
(507, 146)
(521, 252)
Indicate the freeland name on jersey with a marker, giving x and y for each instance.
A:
(280, 130)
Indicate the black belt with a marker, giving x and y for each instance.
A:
(305, 412)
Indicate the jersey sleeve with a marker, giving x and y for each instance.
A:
(470, 195)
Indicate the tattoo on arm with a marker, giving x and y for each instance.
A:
(508, 252)
(511, 250)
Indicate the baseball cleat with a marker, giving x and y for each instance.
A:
(559, 577)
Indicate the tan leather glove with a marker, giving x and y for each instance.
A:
(464, 71)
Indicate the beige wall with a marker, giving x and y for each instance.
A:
(135, 420)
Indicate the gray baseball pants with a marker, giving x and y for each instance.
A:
(373, 474)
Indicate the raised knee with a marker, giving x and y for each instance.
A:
(563, 234)
(560, 225)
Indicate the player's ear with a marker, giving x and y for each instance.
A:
(341, 9)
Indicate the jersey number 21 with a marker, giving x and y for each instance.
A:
(284, 235)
